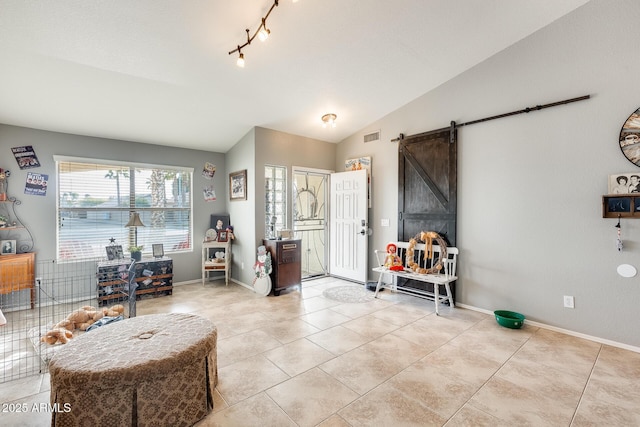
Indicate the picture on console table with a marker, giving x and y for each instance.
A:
(219, 222)
(8, 247)
(114, 252)
(158, 250)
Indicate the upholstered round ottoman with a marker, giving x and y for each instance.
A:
(154, 370)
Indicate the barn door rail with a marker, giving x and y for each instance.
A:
(455, 125)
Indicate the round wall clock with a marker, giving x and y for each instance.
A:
(630, 138)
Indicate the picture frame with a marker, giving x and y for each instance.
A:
(7, 247)
(624, 183)
(114, 252)
(238, 185)
(621, 206)
(223, 236)
(158, 250)
(219, 222)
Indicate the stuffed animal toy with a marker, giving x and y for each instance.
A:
(57, 335)
(392, 260)
(80, 319)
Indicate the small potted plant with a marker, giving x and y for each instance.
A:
(136, 252)
(3, 221)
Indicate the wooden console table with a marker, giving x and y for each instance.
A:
(17, 274)
(154, 276)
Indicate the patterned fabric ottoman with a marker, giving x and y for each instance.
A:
(155, 370)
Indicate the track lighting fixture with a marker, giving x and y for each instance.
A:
(329, 120)
(262, 32)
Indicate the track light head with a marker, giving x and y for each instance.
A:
(264, 32)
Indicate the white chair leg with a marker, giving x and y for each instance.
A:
(375, 295)
(446, 285)
(436, 292)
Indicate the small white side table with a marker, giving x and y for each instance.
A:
(208, 254)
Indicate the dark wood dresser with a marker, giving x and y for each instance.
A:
(285, 263)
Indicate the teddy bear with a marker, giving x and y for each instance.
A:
(57, 335)
(79, 319)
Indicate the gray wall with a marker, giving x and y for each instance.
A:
(242, 212)
(258, 148)
(530, 225)
(39, 213)
(283, 149)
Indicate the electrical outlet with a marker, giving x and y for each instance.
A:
(384, 222)
(568, 302)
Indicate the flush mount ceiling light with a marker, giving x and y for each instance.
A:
(329, 120)
(262, 33)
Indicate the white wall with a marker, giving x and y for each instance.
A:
(530, 227)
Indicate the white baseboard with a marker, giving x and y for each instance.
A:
(191, 282)
(563, 331)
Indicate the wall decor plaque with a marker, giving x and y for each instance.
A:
(630, 138)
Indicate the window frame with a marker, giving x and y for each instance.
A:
(281, 218)
(130, 208)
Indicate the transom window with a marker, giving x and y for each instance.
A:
(96, 198)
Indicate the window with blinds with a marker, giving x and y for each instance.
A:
(97, 198)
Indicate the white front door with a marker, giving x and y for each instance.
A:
(349, 223)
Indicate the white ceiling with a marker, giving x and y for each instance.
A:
(158, 71)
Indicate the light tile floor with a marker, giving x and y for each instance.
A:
(304, 360)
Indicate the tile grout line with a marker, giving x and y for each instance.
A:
(489, 379)
(586, 384)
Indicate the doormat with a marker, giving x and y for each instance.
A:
(348, 294)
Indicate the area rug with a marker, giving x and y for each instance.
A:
(349, 294)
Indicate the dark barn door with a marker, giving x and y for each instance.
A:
(427, 186)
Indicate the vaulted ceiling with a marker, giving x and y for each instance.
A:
(159, 71)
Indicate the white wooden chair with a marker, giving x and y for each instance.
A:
(444, 278)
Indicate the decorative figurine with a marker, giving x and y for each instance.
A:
(262, 268)
(393, 261)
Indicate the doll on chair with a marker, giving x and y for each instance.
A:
(392, 260)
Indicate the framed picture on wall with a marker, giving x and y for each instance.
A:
(238, 185)
(624, 183)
